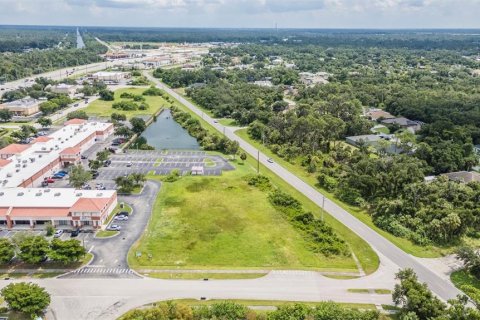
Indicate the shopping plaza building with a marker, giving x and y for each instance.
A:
(23, 168)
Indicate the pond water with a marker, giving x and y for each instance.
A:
(166, 133)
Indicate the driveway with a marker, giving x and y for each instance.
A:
(110, 254)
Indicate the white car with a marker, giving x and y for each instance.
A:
(114, 227)
(121, 218)
(58, 234)
(270, 160)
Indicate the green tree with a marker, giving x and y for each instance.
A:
(45, 122)
(78, 176)
(123, 131)
(471, 260)
(33, 249)
(125, 184)
(66, 251)
(103, 155)
(106, 95)
(415, 297)
(5, 115)
(78, 114)
(94, 164)
(138, 125)
(7, 250)
(28, 298)
(243, 156)
(118, 117)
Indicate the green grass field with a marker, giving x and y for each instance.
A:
(462, 277)
(404, 244)
(102, 108)
(367, 257)
(222, 222)
(201, 276)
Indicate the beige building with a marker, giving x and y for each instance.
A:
(63, 88)
(23, 107)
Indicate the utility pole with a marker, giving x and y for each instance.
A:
(258, 161)
(323, 208)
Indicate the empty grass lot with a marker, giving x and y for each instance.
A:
(102, 108)
(223, 223)
(404, 244)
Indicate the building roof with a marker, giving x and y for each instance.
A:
(404, 122)
(41, 139)
(365, 138)
(378, 113)
(75, 121)
(23, 103)
(89, 204)
(463, 176)
(4, 162)
(71, 150)
(48, 198)
(39, 212)
(39, 156)
(14, 148)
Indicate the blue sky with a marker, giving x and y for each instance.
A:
(246, 13)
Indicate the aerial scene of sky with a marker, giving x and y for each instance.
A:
(245, 13)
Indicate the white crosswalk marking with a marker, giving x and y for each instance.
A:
(103, 270)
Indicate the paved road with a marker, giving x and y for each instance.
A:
(107, 299)
(443, 288)
(110, 254)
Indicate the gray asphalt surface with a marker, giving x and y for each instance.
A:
(110, 254)
(443, 288)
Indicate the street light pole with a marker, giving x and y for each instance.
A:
(323, 208)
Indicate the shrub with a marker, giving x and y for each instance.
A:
(153, 91)
(125, 105)
(260, 181)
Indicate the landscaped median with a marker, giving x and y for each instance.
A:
(111, 233)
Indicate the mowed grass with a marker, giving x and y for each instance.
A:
(223, 223)
(462, 277)
(102, 108)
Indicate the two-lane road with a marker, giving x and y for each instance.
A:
(444, 289)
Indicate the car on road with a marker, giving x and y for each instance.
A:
(75, 233)
(129, 164)
(270, 160)
(121, 218)
(114, 227)
(215, 121)
(58, 234)
(83, 157)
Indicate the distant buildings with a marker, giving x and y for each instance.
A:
(381, 142)
(375, 114)
(463, 176)
(63, 88)
(264, 83)
(110, 76)
(311, 79)
(23, 107)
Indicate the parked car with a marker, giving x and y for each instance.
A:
(121, 218)
(44, 183)
(49, 180)
(63, 172)
(83, 157)
(123, 213)
(57, 177)
(106, 163)
(60, 173)
(75, 233)
(114, 227)
(58, 234)
(129, 164)
(95, 174)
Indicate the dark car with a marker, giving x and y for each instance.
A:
(83, 157)
(95, 174)
(44, 183)
(75, 233)
(122, 213)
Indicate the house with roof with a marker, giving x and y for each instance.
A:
(411, 125)
(376, 114)
(463, 176)
(22, 107)
(13, 150)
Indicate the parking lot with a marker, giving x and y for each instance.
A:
(161, 163)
